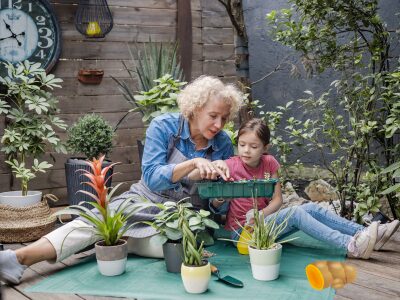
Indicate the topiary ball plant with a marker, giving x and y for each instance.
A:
(91, 135)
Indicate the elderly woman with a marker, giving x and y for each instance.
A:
(176, 146)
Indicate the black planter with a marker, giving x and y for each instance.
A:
(173, 255)
(75, 180)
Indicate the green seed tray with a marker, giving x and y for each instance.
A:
(237, 189)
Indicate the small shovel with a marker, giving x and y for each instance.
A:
(226, 279)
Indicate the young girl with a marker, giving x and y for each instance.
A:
(321, 224)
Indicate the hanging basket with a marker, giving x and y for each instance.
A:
(25, 224)
(93, 18)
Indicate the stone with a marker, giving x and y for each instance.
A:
(288, 193)
(319, 190)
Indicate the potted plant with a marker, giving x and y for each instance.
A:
(92, 136)
(158, 100)
(195, 271)
(109, 224)
(166, 222)
(30, 112)
(264, 251)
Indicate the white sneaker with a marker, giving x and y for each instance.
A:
(10, 269)
(362, 244)
(385, 231)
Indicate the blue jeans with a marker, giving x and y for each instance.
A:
(318, 223)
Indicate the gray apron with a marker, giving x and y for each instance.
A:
(140, 190)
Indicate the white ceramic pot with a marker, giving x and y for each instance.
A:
(196, 279)
(111, 260)
(15, 198)
(265, 264)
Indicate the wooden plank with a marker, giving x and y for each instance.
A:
(216, 19)
(10, 293)
(124, 137)
(219, 68)
(184, 36)
(133, 120)
(70, 68)
(131, 16)
(171, 4)
(378, 268)
(131, 33)
(354, 291)
(5, 182)
(338, 297)
(62, 194)
(212, 5)
(96, 103)
(218, 52)
(56, 177)
(92, 50)
(71, 86)
(384, 285)
(217, 35)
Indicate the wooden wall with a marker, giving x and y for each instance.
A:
(134, 21)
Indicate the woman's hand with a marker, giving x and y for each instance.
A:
(222, 169)
(206, 168)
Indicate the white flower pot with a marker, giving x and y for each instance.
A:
(196, 279)
(111, 260)
(15, 198)
(265, 264)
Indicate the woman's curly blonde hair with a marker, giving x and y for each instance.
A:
(196, 94)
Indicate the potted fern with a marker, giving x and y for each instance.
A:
(166, 222)
(91, 136)
(195, 271)
(30, 112)
(107, 223)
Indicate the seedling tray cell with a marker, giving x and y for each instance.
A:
(237, 189)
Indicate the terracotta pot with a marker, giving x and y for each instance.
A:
(111, 260)
(90, 76)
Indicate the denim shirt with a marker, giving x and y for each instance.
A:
(157, 173)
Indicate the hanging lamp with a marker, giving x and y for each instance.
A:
(93, 18)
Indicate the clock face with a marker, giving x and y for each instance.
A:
(28, 31)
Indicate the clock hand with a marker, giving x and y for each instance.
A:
(8, 27)
(6, 38)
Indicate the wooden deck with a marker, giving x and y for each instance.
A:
(377, 278)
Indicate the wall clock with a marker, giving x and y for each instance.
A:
(28, 30)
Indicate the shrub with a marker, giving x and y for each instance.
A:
(91, 135)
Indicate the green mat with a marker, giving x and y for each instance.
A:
(147, 278)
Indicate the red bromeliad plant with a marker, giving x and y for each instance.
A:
(110, 224)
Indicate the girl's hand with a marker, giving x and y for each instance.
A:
(206, 168)
(222, 169)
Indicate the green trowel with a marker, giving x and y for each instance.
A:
(226, 279)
